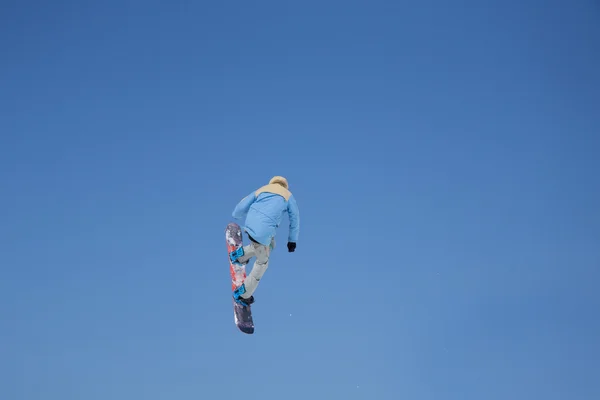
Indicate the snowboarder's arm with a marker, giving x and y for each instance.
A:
(294, 217)
(242, 208)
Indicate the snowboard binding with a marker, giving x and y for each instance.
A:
(235, 255)
(237, 296)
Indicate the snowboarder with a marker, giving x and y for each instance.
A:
(263, 210)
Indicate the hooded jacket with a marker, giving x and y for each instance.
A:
(264, 208)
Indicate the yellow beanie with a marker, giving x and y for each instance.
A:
(280, 180)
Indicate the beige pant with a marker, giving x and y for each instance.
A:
(261, 252)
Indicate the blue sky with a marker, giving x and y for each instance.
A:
(444, 157)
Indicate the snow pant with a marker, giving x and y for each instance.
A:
(261, 252)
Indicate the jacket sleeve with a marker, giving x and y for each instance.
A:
(242, 208)
(294, 217)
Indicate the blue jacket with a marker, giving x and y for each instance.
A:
(264, 209)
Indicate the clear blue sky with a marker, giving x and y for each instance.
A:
(444, 156)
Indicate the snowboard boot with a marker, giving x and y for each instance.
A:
(237, 296)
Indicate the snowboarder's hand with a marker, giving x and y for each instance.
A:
(291, 247)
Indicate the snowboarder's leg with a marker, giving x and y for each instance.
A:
(258, 270)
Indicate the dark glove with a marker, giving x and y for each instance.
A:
(291, 247)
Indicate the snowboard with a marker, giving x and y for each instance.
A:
(242, 314)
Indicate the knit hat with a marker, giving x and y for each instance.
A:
(280, 180)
